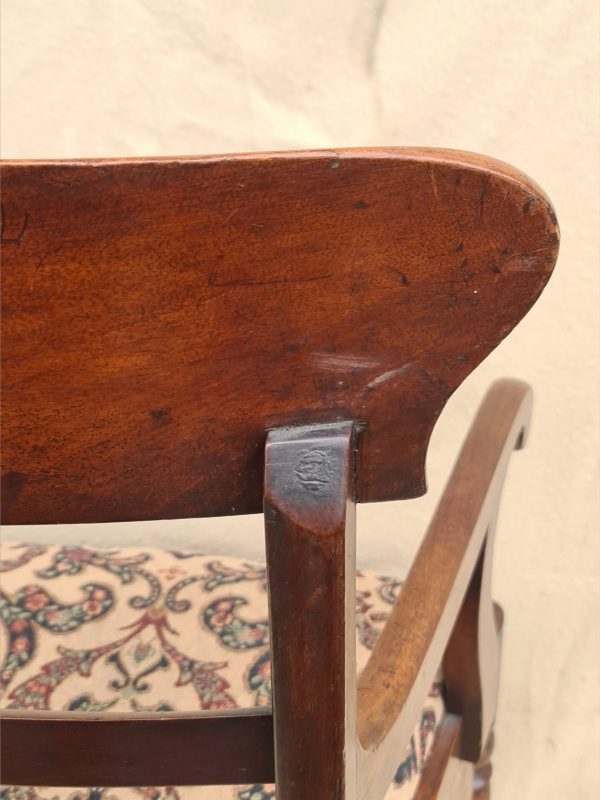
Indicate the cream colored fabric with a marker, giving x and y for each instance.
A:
(151, 630)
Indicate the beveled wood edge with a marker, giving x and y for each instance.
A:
(47, 748)
(45, 715)
(464, 158)
(406, 657)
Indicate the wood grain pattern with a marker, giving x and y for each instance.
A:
(406, 656)
(310, 525)
(439, 779)
(76, 749)
(472, 659)
(160, 316)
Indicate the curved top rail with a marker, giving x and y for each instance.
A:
(161, 315)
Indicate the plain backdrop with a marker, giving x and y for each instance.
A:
(516, 79)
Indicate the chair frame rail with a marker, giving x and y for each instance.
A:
(350, 732)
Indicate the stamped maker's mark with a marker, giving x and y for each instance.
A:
(314, 469)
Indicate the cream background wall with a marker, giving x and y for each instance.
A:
(517, 79)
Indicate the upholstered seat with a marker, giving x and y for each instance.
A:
(153, 630)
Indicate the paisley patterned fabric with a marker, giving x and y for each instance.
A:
(151, 630)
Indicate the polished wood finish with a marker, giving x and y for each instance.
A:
(160, 316)
(174, 331)
(441, 766)
(311, 559)
(396, 679)
(44, 748)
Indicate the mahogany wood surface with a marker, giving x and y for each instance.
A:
(160, 316)
(311, 558)
(40, 748)
(439, 763)
(403, 664)
(472, 658)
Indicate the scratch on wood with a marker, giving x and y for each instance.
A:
(433, 180)
(41, 261)
(13, 239)
(386, 376)
(484, 190)
(213, 281)
(525, 262)
(230, 216)
(344, 362)
(403, 278)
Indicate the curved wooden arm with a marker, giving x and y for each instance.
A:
(410, 649)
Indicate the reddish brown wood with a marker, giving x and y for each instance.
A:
(402, 666)
(472, 659)
(160, 316)
(439, 763)
(310, 535)
(53, 749)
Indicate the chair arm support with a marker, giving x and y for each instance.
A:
(410, 649)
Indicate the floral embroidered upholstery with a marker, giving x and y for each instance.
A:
(152, 630)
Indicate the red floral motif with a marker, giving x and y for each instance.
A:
(20, 645)
(36, 601)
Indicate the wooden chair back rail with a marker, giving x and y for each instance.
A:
(161, 316)
(47, 748)
(55, 749)
(319, 518)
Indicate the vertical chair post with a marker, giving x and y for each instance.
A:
(472, 657)
(310, 536)
(472, 660)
